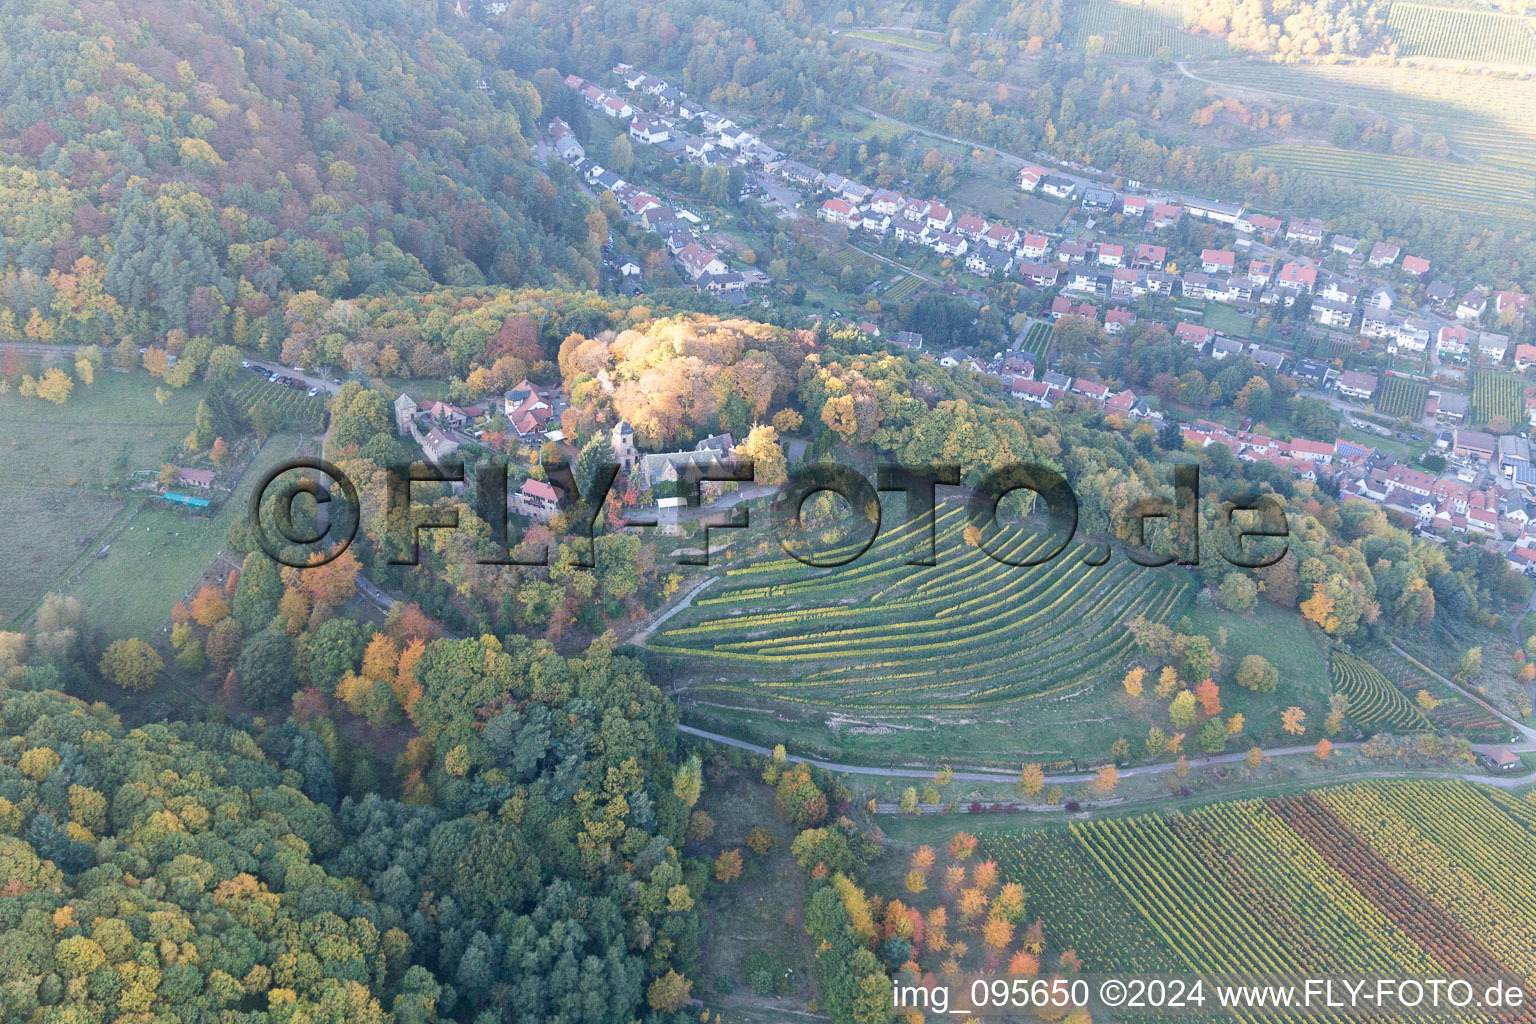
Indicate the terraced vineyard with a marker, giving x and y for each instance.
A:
(1477, 37)
(1401, 396)
(1496, 394)
(1038, 341)
(1453, 713)
(1131, 29)
(1489, 119)
(883, 638)
(292, 406)
(1375, 705)
(1483, 191)
(1389, 879)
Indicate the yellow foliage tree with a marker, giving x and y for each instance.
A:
(1133, 679)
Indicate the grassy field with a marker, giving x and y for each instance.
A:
(1283, 640)
(871, 35)
(1377, 879)
(1477, 37)
(44, 530)
(1137, 29)
(160, 554)
(871, 659)
(1489, 192)
(106, 430)
(998, 201)
(1487, 118)
(1224, 318)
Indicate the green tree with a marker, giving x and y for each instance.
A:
(1255, 673)
(265, 669)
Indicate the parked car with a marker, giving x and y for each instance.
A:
(313, 392)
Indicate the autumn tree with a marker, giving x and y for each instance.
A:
(1293, 720)
(728, 866)
(1106, 779)
(1031, 779)
(209, 606)
(131, 664)
(1323, 749)
(1133, 681)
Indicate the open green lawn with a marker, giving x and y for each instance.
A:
(894, 39)
(44, 531)
(756, 954)
(161, 553)
(103, 432)
(992, 198)
(1224, 318)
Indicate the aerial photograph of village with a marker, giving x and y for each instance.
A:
(767, 511)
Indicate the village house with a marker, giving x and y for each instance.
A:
(1055, 185)
(1260, 224)
(1218, 261)
(1034, 246)
(1354, 384)
(1330, 313)
(1304, 231)
(1111, 255)
(564, 142)
(1194, 335)
(1384, 254)
(1415, 266)
(1150, 257)
(1165, 215)
(1297, 277)
(1038, 274)
(535, 499)
(1471, 305)
(1260, 272)
(1031, 177)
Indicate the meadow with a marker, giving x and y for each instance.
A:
(871, 35)
(1380, 879)
(43, 531)
(95, 439)
(162, 553)
(866, 653)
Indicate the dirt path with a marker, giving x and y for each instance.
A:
(654, 622)
(993, 776)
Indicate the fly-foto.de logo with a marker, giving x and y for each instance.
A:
(306, 512)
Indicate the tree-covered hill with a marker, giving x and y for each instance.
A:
(163, 164)
(207, 873)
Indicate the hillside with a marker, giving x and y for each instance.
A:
(180, 165)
